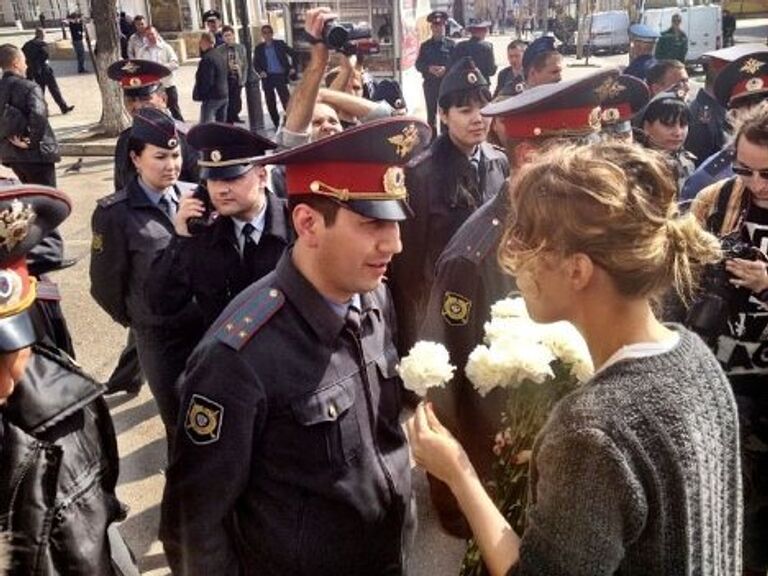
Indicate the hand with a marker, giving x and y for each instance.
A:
(262, 74)
(434, 448)
(439, 71)
(750, 274)
(189, 207)
(315, 20)
(19, 142)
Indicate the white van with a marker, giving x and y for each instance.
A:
(702, 24)
(606, 31)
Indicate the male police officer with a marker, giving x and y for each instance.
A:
(290, 456)
(477, 48)
(432, 63)
(542, 63)
(214, 259)
(469, 280)
(642, 44)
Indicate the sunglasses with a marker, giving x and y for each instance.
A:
(748, 172)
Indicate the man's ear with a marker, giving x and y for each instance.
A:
(307, 222)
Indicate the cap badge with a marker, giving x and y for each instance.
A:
(754, 84)
(11, 288)
(519, 87)
(216, 155)
(537, 131)
(610, 115)
(130, 67)
(14, 224)
(593, 120)
(609, 89)
(680, 93)
(394, 182)
(135, 81)
(406, 141)
(172, 142)
(472, 78)
(751, 66)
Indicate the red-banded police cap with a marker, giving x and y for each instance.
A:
(138, 77)
(621, 100)
(743, 79)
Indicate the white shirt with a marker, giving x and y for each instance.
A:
(161, 53)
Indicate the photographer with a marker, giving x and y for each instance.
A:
(732, 311)
(214, 258)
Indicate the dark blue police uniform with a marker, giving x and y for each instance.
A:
(481, 53)
(706, 131)
(434, 52)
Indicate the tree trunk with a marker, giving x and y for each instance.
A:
(113, 116)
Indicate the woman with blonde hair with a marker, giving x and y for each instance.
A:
(638, 470)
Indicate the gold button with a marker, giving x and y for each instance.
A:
(332, 411)
(247, 320)
(243, 334)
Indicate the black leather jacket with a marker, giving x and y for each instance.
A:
(27, 98)
(58, 470)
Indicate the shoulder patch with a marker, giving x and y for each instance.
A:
(108, 201)
(203, 420)
(456, 309)
(236, 330)
(97, 243)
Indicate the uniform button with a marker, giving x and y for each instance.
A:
(273, 293)
(332, 412)
(495, 221)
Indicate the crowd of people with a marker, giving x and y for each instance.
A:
(271, 286)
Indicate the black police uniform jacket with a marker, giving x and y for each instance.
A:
(442, 195)
(209, 268)
(290, 459)
(706, 131)
(125, 170)
(128, 233)
(481, 52)
(468, 281)
(58, 471)
(434, 52)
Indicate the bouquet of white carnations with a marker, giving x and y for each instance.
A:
(536, 364)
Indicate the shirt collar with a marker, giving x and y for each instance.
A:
(155, 195)
(258, 222)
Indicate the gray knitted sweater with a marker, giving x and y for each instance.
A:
(638, 472)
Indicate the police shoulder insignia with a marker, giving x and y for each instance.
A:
(204, 420)
(97, 244)
(237, 329)
(456, 309)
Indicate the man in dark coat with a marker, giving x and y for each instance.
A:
(468, 278)
(38, 69)
(76, 35)
(673, 42)
(478, 49)
(238, 72)
(272, 60)
(211, 86)
(433, 61)
(447, 183)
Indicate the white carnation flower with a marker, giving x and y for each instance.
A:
(509, 308)
(507, 362)
(567, 344)
(427, 365)
(509, 327)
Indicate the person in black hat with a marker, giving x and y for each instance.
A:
(130, 227)
(58, 453)
(39, 70)
(212, 19)
(458, 174)
(302, 447)
(238, 229)
(542, 63)
(468, 278)
(433, 61)
(619, 103)
(478, 49)
(512, 74)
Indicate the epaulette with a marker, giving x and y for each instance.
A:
(255, 311)
(479, 245)
(720, 162)
(108, 201)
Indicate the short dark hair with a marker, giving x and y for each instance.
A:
(668, 111)
(8, 54)
(656, 73)
(227, 28)
(539, 61)
(267, 27)
(39, 32)
(517, 43)
(327, 207)
(138, 18)
(480, 96)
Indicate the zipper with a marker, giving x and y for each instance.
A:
(27, 467)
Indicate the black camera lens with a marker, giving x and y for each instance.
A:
(335, 35)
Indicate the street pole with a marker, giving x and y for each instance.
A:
(252, 91)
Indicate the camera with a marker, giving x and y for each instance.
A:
(199, 224)
(719, 299)
(341, 35)
(361, 48)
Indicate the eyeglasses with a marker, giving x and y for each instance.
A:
(748, 172)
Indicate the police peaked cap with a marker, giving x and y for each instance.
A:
(621, 101)
(28, 213)
(437, 17)
(643, 33)
(717, 59)
(742, 79)
(155, 127)
(568, 108)
(463, 75)
(211, 15)
(390, 92)
(138, 77)
(541, 45)
(476, 24)
(226, 151)
(360, 168)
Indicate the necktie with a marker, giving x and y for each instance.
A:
(168, 206)
(474, 166)
(249, 246)
(352, 320)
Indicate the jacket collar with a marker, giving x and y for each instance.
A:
(276, 223)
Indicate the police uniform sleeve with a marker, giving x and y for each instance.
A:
(422, 61)
(110, 265)
(222, 410)
(169, 285)
(490, 64)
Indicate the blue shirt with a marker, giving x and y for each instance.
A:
(258, 223)
(341, 309)
(273, 64)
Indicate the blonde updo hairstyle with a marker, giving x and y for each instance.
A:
(615, 203)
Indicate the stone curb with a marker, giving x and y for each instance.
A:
(87, 149)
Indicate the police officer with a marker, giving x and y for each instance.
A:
(619, 103)
(226, 237)
(642, 43)
(301, 445)
(477, 48)
(738, 86)
(58, 453)
(458, 174)
(38, 69)
(468, 279)
(140, 81)
(542, 63)
(130, 227)
(433, 61)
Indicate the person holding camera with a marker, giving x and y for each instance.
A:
(228, 234)
(129, 228)
(732, 311)
(273, 62)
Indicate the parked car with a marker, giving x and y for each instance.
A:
(606, 31)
